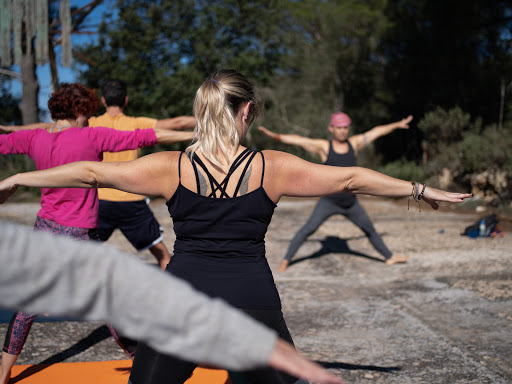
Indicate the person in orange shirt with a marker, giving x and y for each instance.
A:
(129, 212)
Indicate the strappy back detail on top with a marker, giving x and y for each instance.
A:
(215, 186)
(220, 240)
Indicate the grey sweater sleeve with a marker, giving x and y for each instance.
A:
(43, 273)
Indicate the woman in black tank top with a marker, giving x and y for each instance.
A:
(221, 197)
(340, 151)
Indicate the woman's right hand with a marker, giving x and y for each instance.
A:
(7, 189)
(284, 357)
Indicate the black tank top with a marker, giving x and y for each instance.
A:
(220, 241)
(348, 159)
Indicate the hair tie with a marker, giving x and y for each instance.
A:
(215, 81)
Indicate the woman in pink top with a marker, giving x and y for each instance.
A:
(71, 212)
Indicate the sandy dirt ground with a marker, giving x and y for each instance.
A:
(444, 317)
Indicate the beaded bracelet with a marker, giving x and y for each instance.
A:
(422, 191)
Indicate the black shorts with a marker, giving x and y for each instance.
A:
(133, 218)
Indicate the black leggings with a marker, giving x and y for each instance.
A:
(152, 367)
(324, 209)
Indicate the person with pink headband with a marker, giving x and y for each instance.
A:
(340, 151)
(340, 119)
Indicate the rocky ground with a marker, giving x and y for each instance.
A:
(444, 317)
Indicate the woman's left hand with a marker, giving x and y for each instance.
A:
(433, 195)
(404, 123)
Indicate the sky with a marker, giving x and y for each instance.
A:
(65, 74)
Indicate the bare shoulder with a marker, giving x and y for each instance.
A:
(322, 142)
(273, 156)
(162, 159)
(357, 141)
(290, 175)
(279, 162)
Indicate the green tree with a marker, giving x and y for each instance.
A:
(489, 149)
(164, 49)
(442, 131)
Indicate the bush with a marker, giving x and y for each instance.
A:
(404, 169)
(440, 126)
(442, 131)
(448, 157)
(488, 150)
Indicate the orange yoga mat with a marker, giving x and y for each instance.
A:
(100, 372)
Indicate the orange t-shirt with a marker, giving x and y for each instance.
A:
(121, 122)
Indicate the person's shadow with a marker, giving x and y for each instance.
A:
(358, 367)
(237, 378)
(99, 334)
(333, 244)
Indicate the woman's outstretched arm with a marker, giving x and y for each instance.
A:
(363, 139)
(150, 175)
(170, 136)
(317, 146)
(14, 128)
(289, 175)
(176, 123)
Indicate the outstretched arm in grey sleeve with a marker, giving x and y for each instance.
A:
(43, 273)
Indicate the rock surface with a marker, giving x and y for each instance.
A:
(444, 317)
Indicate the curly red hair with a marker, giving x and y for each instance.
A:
(72, 100)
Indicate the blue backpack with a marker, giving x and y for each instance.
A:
(490, 223)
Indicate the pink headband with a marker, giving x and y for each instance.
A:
(340, 119)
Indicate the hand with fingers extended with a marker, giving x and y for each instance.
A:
(7, 189)
(432, 195)
(404, 123)
(284, 357)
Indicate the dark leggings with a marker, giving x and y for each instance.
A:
(324, 209)
(151, 367)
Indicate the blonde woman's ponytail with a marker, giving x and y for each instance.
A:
(216, 106)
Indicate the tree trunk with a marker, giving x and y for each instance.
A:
(29, 99)
(339, 95)
(53, 67)
(29, 105)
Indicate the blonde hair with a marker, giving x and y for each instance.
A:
(216, 106)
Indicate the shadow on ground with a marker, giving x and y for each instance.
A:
(333, 244)
(99, 334)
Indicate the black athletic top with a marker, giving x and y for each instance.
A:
(348, 159)
(220, 241)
